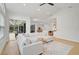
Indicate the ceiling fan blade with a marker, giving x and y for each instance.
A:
(51, 4)
(42, 4)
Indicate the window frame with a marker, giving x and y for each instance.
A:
(2, 25)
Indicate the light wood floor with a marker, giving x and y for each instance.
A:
(12, 48)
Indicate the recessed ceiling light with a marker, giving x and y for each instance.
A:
(38, 9)
(24, 4)
(35, 19)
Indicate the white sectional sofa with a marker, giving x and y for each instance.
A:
(29, 45)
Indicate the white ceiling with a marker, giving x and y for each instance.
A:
(33, 10)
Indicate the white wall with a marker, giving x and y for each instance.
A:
(47, 24)
(68, 24)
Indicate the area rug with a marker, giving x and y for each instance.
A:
(56, 48)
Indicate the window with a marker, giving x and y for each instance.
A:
(1, 26)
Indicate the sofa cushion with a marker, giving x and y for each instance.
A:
(26, 40)
(34, 39)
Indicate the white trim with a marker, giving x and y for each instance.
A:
(66, 39)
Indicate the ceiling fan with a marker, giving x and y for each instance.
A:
(47, 3)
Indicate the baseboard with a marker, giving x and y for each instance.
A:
(66, 39)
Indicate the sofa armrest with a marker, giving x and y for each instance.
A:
(32, 44)
(33, 49)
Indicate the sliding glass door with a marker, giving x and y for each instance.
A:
(17, 26)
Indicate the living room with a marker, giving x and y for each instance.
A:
(39, 29)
